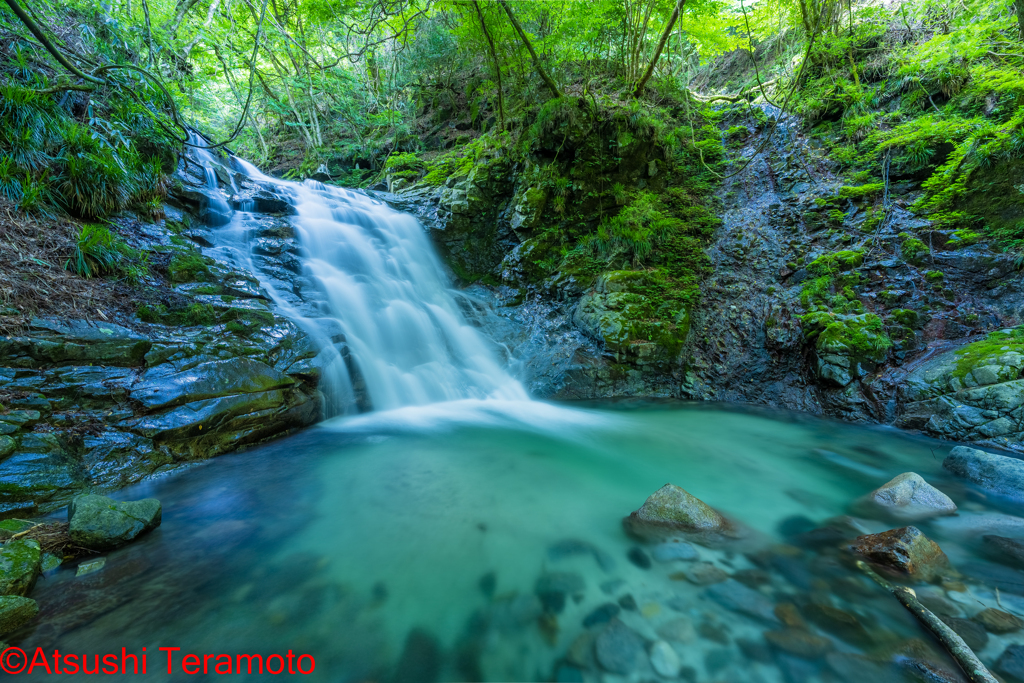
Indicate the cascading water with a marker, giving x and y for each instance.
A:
(381, 284)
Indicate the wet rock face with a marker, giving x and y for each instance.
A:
(100, 523)
(908, 497)
(905, 551)
(997, 473)
(964, 396)
(671, 511)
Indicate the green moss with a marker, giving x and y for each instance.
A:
(189, 266)
(860, 191)
(989, 350)
(934, 277)
(913, 249)
(906, 317)
(836, 262)
(859, 336)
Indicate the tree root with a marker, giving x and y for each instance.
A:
(953, 643)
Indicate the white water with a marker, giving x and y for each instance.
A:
(384, 287)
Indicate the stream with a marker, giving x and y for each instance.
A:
(461, 531)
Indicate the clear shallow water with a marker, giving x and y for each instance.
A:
(406, 546)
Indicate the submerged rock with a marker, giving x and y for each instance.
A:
(998, 621)
(1011, 663)
(1007, 550)
(905, 550)
(421, 659)
(799, 642)
(15, 612)
(554, 587)
(664, 659)
(20, 566)
(101, 523)
(997, 473)
(674, 550)
(618, 648)
(907, 497)
(733, 595)
(671, 511)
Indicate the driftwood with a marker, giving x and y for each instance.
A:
(953, 643)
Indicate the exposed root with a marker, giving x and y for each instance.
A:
(54, 538)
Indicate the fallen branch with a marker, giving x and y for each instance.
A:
(953, 643)
(733, 98)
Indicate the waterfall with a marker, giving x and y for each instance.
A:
(382, 286)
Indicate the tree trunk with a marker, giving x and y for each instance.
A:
(497, 66)
(1019, 5)
(179, 15)
(533, 55)
(661, 46)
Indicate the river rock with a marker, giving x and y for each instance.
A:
(1007, 550)
(998, 621)
(733, 595)
(674, 550)
(20, 566)
(101, 523)
(602, 615)
(907, 497)
(15, 612)
(554, 587)
(671, 511)
(837, 622)
(997, 473)
(618, 648)
(664, 659)
(799, 642)
(1011, 663)
(904, 550)
(679, 630)
(705, 574)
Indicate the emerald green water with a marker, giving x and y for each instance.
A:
(438, 521)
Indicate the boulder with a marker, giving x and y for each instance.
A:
(671, 511)
(15, 612)
(906, 551)
(907, 497)
(997, 473)
(101, 523)
(20, 566)
(998, 621)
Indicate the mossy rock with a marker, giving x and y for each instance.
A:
(15, 612)
(837, 262)
(20, 566)
(999, 349)
(100, 523)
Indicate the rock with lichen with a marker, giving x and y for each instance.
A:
(905, 551)
(906, 497)
(671, 512)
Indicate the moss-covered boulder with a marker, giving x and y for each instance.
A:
(100, 523)
(972, 394)
(621, 313)
(20, 566)
(673, 511)
(15, 612)
(847, 347)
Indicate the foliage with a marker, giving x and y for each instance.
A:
(101, 252)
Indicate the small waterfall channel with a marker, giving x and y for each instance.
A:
(382, 307)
